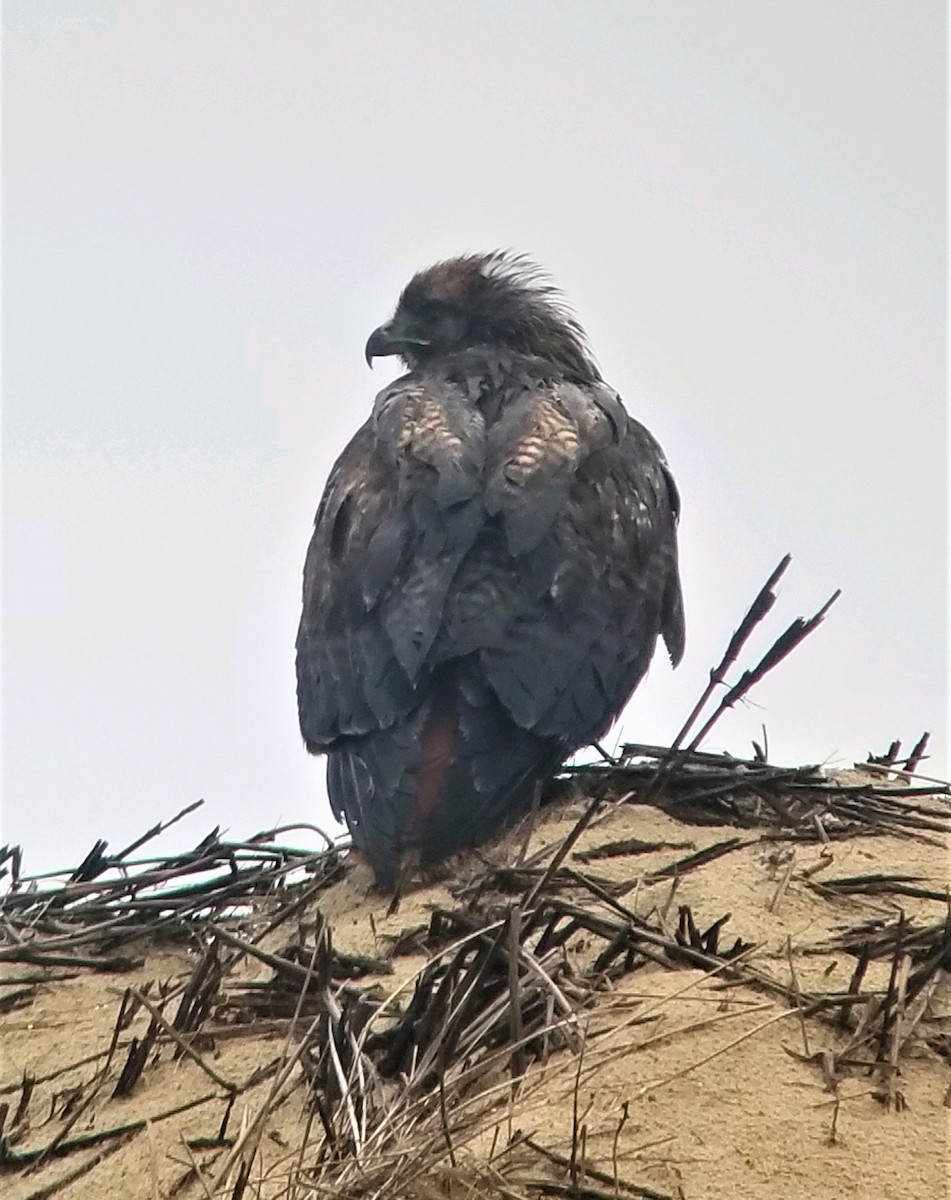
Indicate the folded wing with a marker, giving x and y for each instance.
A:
(480, 599)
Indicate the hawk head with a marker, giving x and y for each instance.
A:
(497, 300)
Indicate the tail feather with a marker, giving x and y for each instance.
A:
(493, 776)
(442, 780)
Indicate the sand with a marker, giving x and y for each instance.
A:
(687, 1086)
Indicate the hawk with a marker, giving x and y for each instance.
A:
(492, 563)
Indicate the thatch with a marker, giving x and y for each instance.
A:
(415, 1059)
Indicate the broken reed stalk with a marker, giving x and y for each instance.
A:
(780, 649)
(182, 1043)
(59, 1148)
(157, 829)
(917, 754)
(784, 645)
(758, 610)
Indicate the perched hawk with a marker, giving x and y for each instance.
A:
(493, 560)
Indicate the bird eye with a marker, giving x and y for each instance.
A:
(431, 310)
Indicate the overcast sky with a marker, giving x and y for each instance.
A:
(209, 205)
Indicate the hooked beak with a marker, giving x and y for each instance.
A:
(379, 344)
(386, 341)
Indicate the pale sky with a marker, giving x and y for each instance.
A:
(209, 205)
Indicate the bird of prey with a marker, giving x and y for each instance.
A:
(492, 562)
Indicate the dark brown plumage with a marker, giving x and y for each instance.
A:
(493, 560)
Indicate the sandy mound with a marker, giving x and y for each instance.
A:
(525, 1027)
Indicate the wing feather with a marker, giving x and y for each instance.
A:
(598, 523)
(539, 549)
(399, 512)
